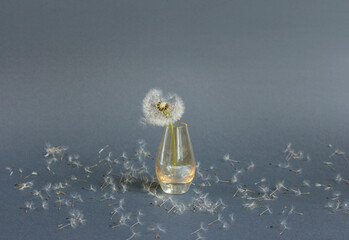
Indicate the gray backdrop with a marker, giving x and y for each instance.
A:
(254, 75)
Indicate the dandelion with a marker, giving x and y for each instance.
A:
(162, 111)
(75, 218)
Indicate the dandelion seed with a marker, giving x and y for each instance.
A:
(54, 151)
(251, 166)
(234, 179)
(298, 171)
(75, 218)
(260, 181)
(123, 220)
(136, 223)
(201, 228)
(284, 226)
(227, 158)
(10, 170)
(284, 165)
(298, 192)
(32, 174)
(219, 219)
(107, 196)
(264, 189)
(37, 193)
(219, 180)
(339, 178)
(266, 210)
(44, 205)
(231, 216)
(26, 185)
(336, 195)
(338, 153)
(306, 183)
(102, 149)
(28, 206)
(329, 164)
(292, 210)
(250, 206)
(199, 236)
(76, 197)
(225, 225)
(330, 205)
(157, 228)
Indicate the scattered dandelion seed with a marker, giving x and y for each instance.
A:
(10, 170)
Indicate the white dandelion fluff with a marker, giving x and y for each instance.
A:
(159, 110)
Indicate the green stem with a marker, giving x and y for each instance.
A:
(174, 154)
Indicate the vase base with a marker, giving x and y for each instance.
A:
(175, 188)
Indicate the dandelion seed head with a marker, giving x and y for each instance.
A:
(159, 110)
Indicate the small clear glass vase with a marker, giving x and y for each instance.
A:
(175, 161)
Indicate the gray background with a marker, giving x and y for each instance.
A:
(254, 75)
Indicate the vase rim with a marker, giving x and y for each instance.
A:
(180, 124)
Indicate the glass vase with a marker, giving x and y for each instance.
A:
(175, 161)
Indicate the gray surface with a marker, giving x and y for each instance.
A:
(254, 75)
